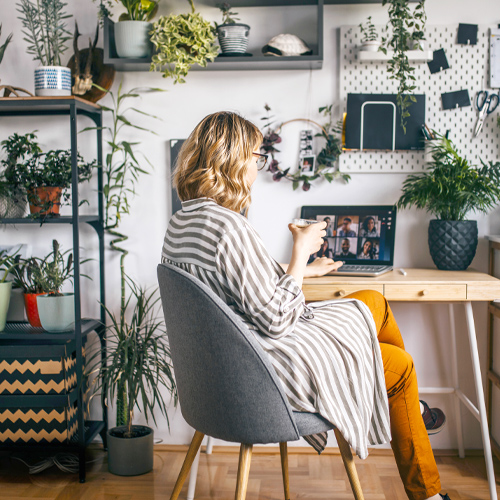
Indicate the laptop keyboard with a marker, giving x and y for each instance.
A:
(365, 268)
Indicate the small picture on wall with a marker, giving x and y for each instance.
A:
(307, 164)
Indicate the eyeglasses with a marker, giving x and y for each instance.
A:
(261, 160)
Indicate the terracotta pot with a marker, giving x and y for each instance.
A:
(40, 198)
(32, 309)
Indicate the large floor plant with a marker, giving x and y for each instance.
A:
(122, 169)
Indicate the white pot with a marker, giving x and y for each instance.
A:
(56, 312)
(372, 46)
(132, 39)
(5, 289)
(52, 81)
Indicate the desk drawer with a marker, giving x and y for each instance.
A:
(327, 292)
(425, 292)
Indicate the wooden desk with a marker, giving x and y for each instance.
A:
(431, 285)
(419, 285)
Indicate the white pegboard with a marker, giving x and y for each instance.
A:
(469, 69)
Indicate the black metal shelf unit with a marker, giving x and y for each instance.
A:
(33, 340)
(256, 62)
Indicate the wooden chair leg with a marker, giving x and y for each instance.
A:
(284, 469)
(243, 471)
(188, 461)
(350, 467)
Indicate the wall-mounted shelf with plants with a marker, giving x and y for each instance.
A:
(257, 61)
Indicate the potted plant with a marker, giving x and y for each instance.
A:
(46, 34)
(181, 41)
(7, 265)
(133, 28)
(138, 363)
(45, 177)
(28, 277)
(233, 36)
(449, 189)
(407, 33)
(369, 36)
(56, 309)
(17, 149)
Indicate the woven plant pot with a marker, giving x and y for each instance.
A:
(13, 208)
(452, 243)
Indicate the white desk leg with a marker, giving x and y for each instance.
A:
(210, 445)
(471, 330)
(456, 385)
(193, 475)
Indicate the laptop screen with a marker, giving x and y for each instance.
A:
(356, 234)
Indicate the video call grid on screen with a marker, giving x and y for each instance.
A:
(356, 234)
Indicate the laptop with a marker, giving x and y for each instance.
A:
(362, 236)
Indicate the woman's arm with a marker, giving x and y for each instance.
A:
(319, 267)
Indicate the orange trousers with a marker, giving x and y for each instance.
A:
(410, 441)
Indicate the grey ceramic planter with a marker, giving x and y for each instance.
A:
(5, 289)
(452, 243)
(130, 456)
(132, 39)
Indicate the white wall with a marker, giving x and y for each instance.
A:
(291, 94)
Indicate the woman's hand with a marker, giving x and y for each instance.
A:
(321, 266)
(308, 240)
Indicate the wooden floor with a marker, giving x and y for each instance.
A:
(311, 477)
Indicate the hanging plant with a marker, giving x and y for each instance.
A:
(325, 159)
(407, 30)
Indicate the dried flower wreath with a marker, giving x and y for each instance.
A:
(325, 159)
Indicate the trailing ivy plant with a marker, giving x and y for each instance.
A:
(181, 41)
(45, 29)
(407, 29)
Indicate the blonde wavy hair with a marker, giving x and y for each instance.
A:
(213, 161)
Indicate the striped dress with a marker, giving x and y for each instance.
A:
(326, 354)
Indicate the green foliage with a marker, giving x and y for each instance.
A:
(137, 356)
(44, 275)
(406, 26)
(3, 47)
(228, 17)
(452, 187)
(181, 41)
(7, 263)
(26, 167)
(45, 29)
(368, 31)
(139, 10)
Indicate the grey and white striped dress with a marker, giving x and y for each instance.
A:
(326, 354)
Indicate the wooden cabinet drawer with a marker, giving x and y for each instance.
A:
(326, 292)
(425, 292)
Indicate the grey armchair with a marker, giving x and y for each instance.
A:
(226, 384)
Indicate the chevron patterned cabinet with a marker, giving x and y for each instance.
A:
(41, 389)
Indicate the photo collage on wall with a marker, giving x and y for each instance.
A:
(350, 237)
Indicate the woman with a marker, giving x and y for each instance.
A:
(324, 250)
(366, 251)
(327, 355)
(368, 229)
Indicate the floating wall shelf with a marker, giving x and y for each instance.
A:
(256, 62)
(413, 56)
